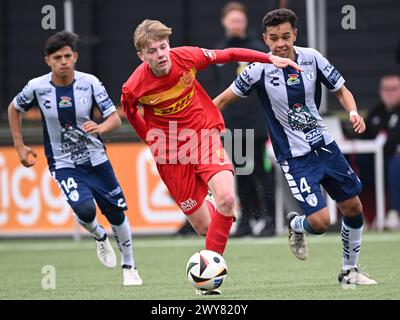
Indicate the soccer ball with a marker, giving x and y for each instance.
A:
(206, 270)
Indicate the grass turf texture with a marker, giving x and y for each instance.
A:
(258, 269)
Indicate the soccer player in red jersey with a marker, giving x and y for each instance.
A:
(176, 108)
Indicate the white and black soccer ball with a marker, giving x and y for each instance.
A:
(206, 270)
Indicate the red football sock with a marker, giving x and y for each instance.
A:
(218, 231)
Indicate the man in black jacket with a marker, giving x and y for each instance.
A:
(255, 190)
(384, 119)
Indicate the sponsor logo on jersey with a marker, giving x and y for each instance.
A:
(246, 76)
(154, 100)
(22, 99)
(210, 54)
(293, 79)
(314, 136)
(74, 141)
(306, 63)
(65, 102)
(188, 204)
(44, 92)
(115, 192)
(185, 81)
(80, 88)
(105, 104)
(242, 85)
(312, 200)
(176, 107)
(334, 76)
(300, 118)
(270, 73)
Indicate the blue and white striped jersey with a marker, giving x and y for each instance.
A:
(64, 110)
(291, 101)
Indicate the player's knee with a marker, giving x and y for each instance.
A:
(355, 208)
(226, 202)
(85, 211)
(115, 216)
(320, 224)
(351, 208)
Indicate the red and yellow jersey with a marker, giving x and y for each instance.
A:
(176, 96)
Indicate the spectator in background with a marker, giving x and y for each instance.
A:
(384, 119)
(253, 188)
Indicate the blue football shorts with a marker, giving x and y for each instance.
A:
(86, 182)
(325, 166)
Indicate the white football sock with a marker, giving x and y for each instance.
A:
(351, 245)
(93, 227)
(123, 236)
(297, 224)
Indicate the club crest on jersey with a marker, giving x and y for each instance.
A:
(73, 195)
(312, 200)
(187, 79)
(65, 102)
(293, 79)
(309, 74)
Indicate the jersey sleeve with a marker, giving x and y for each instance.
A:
(203, 57)
(247, 80)
(130, 108)
(103, 101)
(327, 73)
(26, 99)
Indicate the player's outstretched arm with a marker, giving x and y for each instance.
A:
(248, 55)
(24, 152)
(347, 101)
(225, 98)
(111, 123)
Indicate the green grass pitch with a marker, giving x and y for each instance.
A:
(258, 269)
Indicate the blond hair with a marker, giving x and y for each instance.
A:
(150, 30)
(231, 6)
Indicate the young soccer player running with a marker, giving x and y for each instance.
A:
(306, 152)
(75, 153)
(176, 108)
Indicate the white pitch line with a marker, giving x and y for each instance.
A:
(182, 242)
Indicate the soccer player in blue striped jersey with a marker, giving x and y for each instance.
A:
(74, 150)
(306, 152)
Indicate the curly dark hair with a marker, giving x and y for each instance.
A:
(279, 16)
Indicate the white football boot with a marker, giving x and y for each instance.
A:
(131, 276)
(354, 276)
(297, 241)
(105, 252)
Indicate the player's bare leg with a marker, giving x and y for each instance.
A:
(351, 231)
(200, 219)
